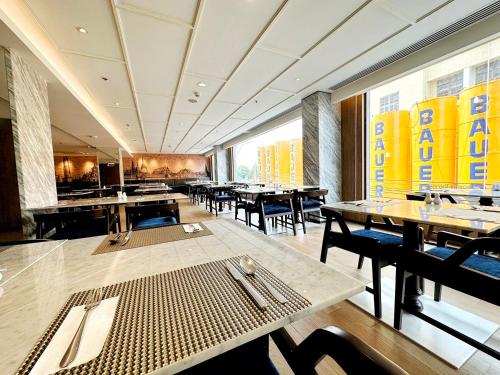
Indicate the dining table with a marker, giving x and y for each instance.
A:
(480, 219)
(38, 298)
(114, 201)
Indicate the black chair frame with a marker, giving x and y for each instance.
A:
(449, 272)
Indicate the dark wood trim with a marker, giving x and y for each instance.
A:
(353, 150)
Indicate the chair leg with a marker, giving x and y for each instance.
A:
(264, 224)
(293, 225)
(377, 291)
(398, 296)
(303, 221)
(360, 261)
(324, 246)
(437, 292)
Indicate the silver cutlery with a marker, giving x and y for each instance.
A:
(256, 296)
(127, 237)
(250, 268)
(93, 300)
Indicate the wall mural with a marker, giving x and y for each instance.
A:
(171, 166)
(74, 169)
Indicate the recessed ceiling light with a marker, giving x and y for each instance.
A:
(134, 140)
(92, 136)
(297, 79)
(104, 78)
(192, 100)
(127, 125)
(117, 104)
(82, 29)
(201, 84)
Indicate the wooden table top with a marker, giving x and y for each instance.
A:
(445, 215)
(110, 201)
(32, 298)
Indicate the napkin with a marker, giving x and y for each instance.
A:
(95, 331)
(191, 228)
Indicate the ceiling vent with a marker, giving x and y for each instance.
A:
(480, 15)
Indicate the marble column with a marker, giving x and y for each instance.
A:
(221, 166)
(321, 144)
(29, 106)
(120, 166)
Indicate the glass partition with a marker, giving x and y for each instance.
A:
(438, 127)
(272, 157)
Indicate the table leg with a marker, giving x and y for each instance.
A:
(411, 300)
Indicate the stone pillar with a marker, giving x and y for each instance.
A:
(321, 144)
(32, 136)
(221, 166)
(120, 166)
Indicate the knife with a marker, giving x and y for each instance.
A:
(279, 297)
(256, 296)
(127, 237)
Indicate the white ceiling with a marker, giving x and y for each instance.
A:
(257, 58)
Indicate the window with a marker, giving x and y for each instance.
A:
(482, 74)
(450, 85)
(272, 157)
(436, 127)
(389, 103)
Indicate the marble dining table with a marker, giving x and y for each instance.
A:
(32, 299)
(114, 201)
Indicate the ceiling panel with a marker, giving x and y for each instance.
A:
(410, 9)
(227, 30)
(193, 136)
(156, 51)
(60, 19)
(436, 21)
(253, 75)
(154, 108)
(260, 103)
(116, 89)
(217, 112)
(183, 10)
(154, 135)
(189, 87)
(285, 33)
(339, 47)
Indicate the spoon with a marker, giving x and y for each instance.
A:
(250, 268)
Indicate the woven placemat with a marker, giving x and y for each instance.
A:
(153, 236)
(165, 318)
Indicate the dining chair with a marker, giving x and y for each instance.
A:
(352, 354)
(382, 248)
(219, 196)
(73, 224)
(277, 207)
(461, 269)
(242, 204)
(152, 216)
(308, 203)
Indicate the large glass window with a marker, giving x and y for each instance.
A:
(444, 130)
(272, 157)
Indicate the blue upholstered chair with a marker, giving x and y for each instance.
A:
(152, 216)
(382, 248)
(277, 207)
(73, 224)
(460, 268)
(219, 196)
(309, 202)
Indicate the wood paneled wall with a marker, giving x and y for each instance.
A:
(353, 149)
(10, 209)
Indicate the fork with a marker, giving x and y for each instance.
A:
(92, 301)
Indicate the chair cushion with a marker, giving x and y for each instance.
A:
(272, 209)
(385, 239)
(310, 204)
(484, 264)
(156, 222)
(225, 198)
